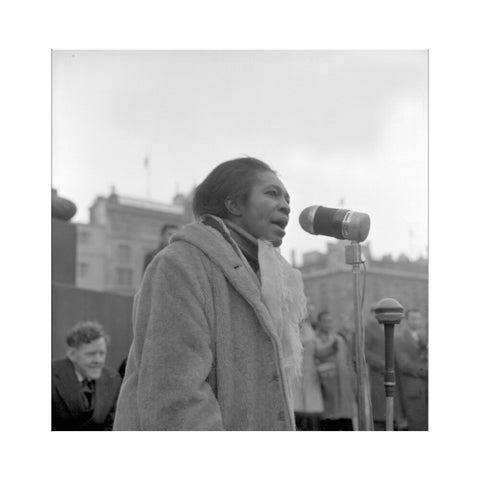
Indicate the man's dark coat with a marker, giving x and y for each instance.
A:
(412, 381)
(67, 410)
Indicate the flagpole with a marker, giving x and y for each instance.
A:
(146, 163)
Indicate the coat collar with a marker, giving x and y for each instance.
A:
(218, 245)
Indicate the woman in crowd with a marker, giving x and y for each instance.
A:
(216, 344)
(307, 392)
(337, 377)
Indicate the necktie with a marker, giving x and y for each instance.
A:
(87, 393)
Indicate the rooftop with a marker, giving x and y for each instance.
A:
(151, 205)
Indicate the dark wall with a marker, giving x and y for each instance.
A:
(71, 305)
(64, 251)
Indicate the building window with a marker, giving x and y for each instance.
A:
(82, 269)
(123, 253)
(124, 277)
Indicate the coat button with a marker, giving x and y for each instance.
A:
(275, 377)
(281, 416)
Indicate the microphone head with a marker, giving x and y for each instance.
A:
(337, 223)
(306, 219)
(389, 311)
(357, 227)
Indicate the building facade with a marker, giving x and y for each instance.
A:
(112, 247)
(328, 282)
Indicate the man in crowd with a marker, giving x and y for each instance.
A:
(411, 356)
(84, 390)
(165, 234)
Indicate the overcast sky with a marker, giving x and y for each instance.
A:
(335, 125)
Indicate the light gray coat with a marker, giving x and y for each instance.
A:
(205, 355)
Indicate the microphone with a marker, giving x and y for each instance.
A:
(335, 222)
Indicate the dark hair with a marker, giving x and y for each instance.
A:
(84, 333)
(167, 226)
(231, 179)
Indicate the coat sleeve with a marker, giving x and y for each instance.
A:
(108, 423)
(172, 346)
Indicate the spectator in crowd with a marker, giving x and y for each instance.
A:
(337, 377)
(84, 390)
(308, 399)
(375, 356)
(165, 234)
(411, 355)
(216, 340)
(347, 330)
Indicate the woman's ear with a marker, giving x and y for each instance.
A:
(233, 207)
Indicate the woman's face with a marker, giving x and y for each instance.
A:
(265, 214)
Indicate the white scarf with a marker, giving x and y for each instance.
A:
(282, 293)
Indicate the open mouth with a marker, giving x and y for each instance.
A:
(281, 222)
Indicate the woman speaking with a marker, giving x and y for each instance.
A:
(216, 343)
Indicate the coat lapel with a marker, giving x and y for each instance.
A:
(69, 388)
(237, 270)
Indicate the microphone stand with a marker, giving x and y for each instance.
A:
(388, 313)
(354, 257)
